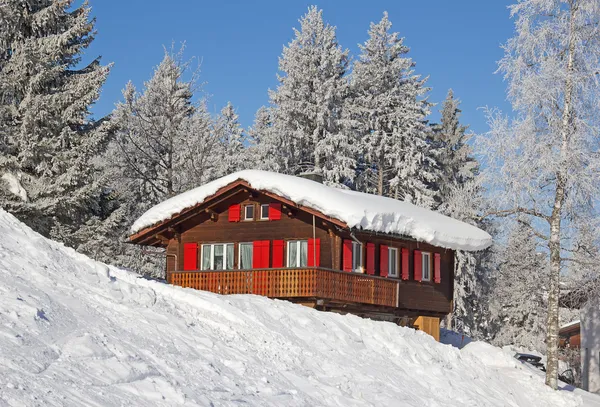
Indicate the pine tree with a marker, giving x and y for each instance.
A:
(387, 109)
(266, 147)
(164, 144)
(518, 298)
(48, 139)
(152, 130)
(455, 160)
(232, 141)
(306, 106)
(472, 270)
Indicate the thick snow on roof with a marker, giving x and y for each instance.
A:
(358, 210)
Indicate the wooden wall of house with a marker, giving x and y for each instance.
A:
(201, 229)
(427, 295)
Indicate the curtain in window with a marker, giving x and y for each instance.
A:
(206, 257)
(303, 253)
(219, 257)
(246, 255)
(393, 264)
(229, 262)
(356, 256)
(292, 254)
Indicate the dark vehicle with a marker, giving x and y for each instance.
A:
(536, 361)
(567, 376)
(533, 360)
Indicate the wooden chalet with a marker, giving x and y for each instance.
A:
(569, 335)
(242, 238)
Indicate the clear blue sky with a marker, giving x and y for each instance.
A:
(455, 43)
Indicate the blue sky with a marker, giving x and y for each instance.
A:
(455, 43)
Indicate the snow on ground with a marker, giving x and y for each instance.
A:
(74, 332)
(356, 209)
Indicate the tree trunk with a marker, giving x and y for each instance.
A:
(554, 291)
(380, 179)
(554, 245)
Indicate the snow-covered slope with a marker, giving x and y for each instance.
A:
(355, 209)
(75, 332)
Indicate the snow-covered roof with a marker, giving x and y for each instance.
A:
(570, 324)
(356, 209)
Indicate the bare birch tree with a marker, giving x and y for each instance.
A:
(543, 163)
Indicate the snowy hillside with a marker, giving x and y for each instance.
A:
(76, 332)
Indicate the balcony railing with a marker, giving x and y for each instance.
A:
(317, 283)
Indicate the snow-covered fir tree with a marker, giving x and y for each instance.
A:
(232, 140)
(306, 106)
(388, 111)
(455, 161)
(518, 299)
(48, 137)
(266, 148)
(473, 271)
(460, 196)
(164, 144)
(543, 163)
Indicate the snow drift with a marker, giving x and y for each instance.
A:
(356, 209)
(76, 332)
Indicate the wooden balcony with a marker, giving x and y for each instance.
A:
(295, 283)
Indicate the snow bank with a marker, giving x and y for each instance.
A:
(76, 332)
(356, 209)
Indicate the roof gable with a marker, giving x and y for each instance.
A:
(145, 235)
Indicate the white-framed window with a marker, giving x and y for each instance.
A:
(264, 212)
(426, 266)
(245, 255)
(357, 257)
(248, 212)
(392, 262)
(297, 253)
(217, 256)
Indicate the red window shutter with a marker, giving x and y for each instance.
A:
(278, 253)
(264, 257)
(370, 258)
(418, 266)
(314, 247)
(235, 212)
(257, 254)
(347, 255)
(190, 256)
(384, 266)
(404, 263)
(274, 211)
(260, 260)
(437, 275)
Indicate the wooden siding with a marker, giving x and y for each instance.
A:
(425, 295)
(201, 229)
(429, 325)
(305, 283)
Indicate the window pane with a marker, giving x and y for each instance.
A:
(292, 253)
(264, 212)
(393, 262)
(206, 256)
(245, 255)
(229, 263)
(303, 253)
(249, 212)
(218, 258)
(356, 260)
(426, 266)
